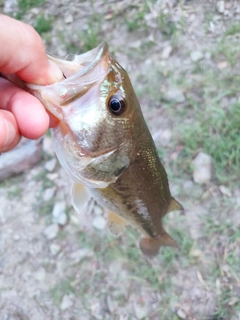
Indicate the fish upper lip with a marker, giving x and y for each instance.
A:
(98, 154)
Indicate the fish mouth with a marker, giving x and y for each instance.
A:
(80, 73)
(79, 65)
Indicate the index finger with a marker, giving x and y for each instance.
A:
(23, 52)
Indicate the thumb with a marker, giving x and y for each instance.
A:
(23, 53)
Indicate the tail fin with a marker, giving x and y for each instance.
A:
(150, 246)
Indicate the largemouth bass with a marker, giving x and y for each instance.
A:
(104, 144)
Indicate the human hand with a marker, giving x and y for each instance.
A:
(23, 53)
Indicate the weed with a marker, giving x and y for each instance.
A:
(166, 26)
(25, 5)
(42, 24)
(136, 20)
(233, 29)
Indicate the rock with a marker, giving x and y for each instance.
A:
(48, 194)
(99, 222)
(181, 314)
(166, 52)
(98, 210)
(48, 146)
(54, 248)
(196, 56)
(139, 309)
(66, 302)
(59, 214)
(81, 254)
(96, 311)
(50, 165)
(220, 6)
(175, 95)
(22, 158)
(188, 185)
(40, 274)
(212, 27)
(202, 168)
(68, 19)
(16, 237)
(53, 176)
(225, 191)
(222, 65)
(51, 231)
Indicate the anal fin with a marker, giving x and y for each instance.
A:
(116, 225)
(174, 206)
(150, 246)
(80, 197)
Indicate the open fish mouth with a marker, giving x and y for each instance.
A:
(79, 65)
(80, 73)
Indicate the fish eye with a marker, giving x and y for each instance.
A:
(116, 105)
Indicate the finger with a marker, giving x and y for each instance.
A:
(53, 121)
(31, 117)
(23, 53)
(9, 134)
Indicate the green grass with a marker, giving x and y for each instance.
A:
(25, 5)
(43, 25)
(233, 29)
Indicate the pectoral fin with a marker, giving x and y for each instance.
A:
(116, 224)
(80, 197)
(174, 206)
(150, 246)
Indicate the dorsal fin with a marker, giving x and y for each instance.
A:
(174, 206)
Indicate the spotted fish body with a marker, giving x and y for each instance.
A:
(104, 144)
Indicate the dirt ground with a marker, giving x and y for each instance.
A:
(183, 60)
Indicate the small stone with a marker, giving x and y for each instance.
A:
(166, 52)
(54, 248)
(99, 222)
(16, 237)
(220, 6)
(175, 95)
(96, 310)
(50, 165)
(40, 274)
(196, 253)
(222, 65)
(196, 56)
(202, 168)
(212, 27)
(98, 210)
(51, 231)
(81, 254)
(181, 314)
(52, 176)
(139, 309)
(59, 214)
(48, 146)
(225, 191)
(66, 302)
(68, 18)
(188, 185)
(35, 11)
(48, 194)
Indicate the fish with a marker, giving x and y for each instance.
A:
(105, 146)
